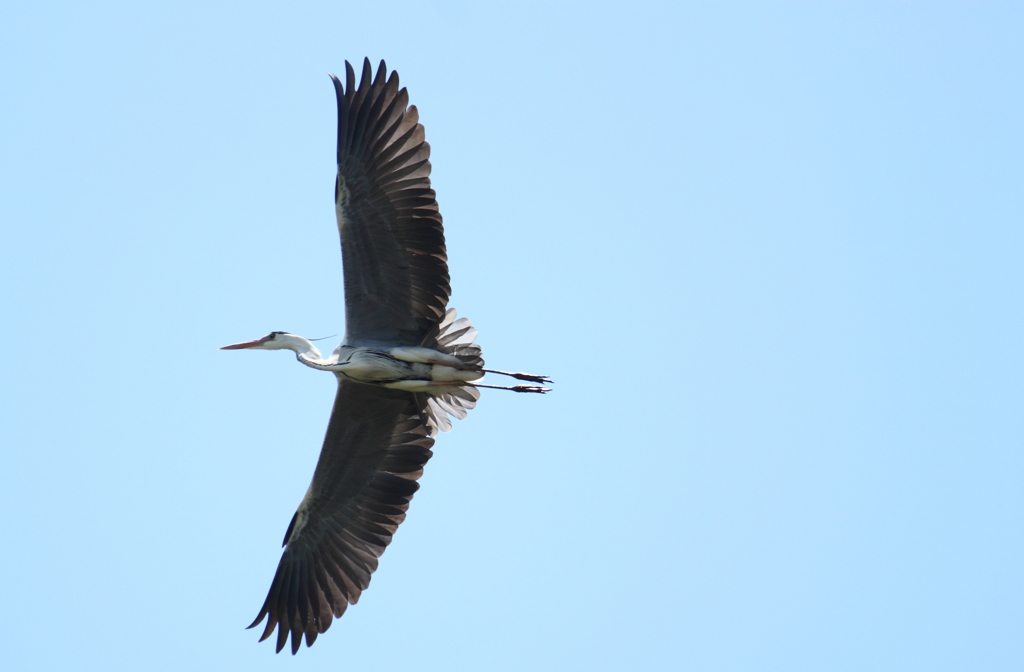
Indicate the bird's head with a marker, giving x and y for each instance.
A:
(275, 340)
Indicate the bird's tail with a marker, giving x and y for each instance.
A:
(453, 337)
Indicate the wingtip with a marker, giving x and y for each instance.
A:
(282, 637)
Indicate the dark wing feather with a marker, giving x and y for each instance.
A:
(375, 449)
(392, 240)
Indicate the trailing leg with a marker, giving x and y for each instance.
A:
(514, 388)
(533, 378)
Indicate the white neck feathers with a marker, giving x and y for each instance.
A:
(304, 351)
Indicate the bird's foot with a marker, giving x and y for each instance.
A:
(533, 378)
(529, 388)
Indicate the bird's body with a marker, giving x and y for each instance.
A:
(405, 366)
(414, 369)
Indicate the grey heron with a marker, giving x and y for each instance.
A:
(405, 366)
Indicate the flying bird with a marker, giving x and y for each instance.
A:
(406, 365)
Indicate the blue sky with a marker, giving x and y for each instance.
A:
(771, 256)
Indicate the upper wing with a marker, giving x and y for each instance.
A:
(392, 240)
(375, 449)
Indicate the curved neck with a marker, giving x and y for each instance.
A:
(313, 360)
(304, 351)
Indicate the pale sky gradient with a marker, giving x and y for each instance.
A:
(770, 253)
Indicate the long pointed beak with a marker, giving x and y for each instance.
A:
(247, 344)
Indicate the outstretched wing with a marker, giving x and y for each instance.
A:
(392, 240)
(375, 449)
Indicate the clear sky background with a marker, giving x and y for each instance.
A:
(771, 255)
